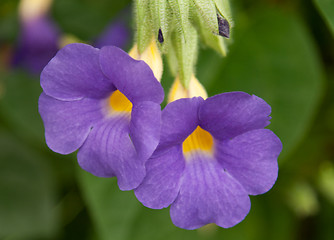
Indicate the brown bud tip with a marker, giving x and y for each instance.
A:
(224, 26)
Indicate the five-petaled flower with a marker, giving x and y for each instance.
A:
(107, 105)
(212, 154)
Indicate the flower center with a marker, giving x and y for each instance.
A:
(198, 140)
(118, 102)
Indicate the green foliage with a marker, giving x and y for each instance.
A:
(26, 192)
(85, 18)
(8, 20)
(19, 105)
(112, 211)
(115, 212)
(326, 8)
(274, 58)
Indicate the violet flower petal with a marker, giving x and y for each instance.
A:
(109, 151)
(161, 185)
(179, 120)
(133, 78)
(251, 158)
(75, 73)
(67, 124)
(208, 194)
(229, 114)
(145, 128)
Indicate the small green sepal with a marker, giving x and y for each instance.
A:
(186, 50)
(207, 11)
(143, 24)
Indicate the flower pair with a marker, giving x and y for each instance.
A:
(202, 157)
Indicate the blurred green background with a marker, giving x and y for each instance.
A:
(281, 51)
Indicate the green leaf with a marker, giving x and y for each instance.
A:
(26, 192)
(86, 19)
(119, 215)
(157, 225)
(274, 58)
(268, 216)
(112, 210)
(9, 23)
(326, 8)
(326, 180)
(19, 106)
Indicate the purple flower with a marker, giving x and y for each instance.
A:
(212, 154)
(107, 105)
(38, 43)
(116, 34)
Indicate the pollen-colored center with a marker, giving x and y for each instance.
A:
(198, 140)
(118, 102)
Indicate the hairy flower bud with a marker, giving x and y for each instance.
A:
(176, 25)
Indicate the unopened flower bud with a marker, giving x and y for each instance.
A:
(195, 89)
(151, 56)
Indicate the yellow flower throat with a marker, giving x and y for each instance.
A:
(118, 102)
(198, 140)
